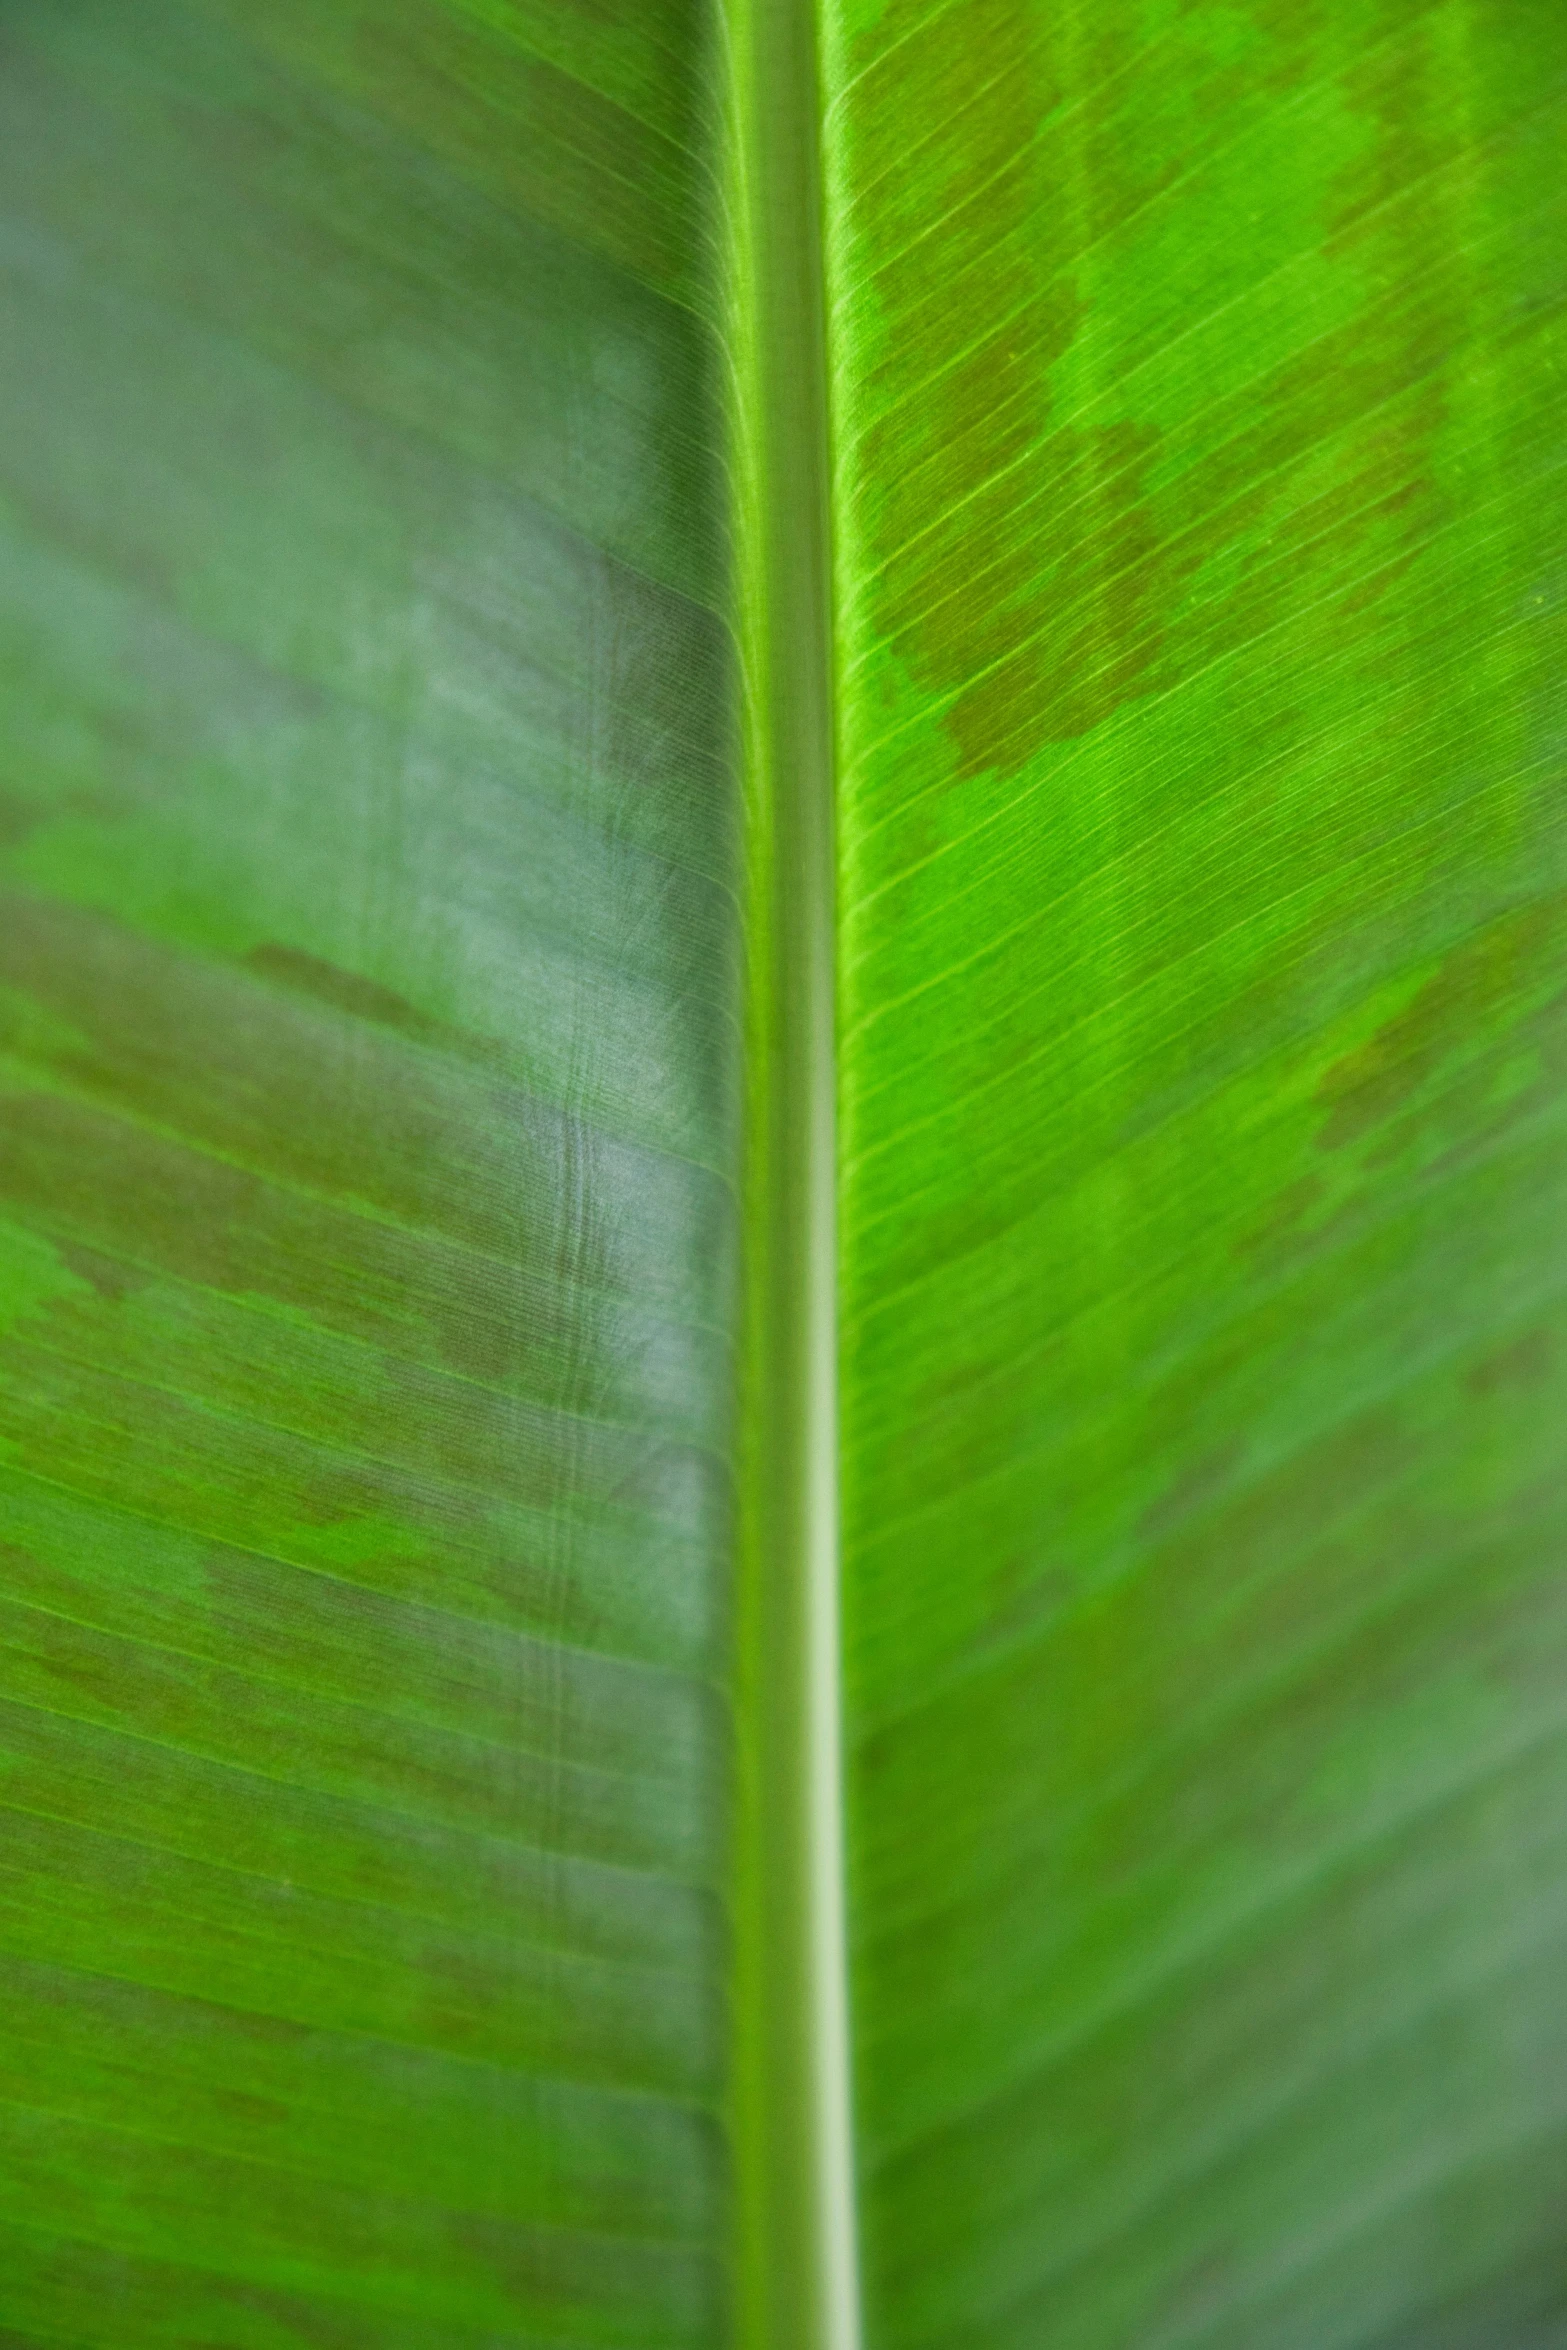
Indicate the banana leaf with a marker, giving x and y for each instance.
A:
(783, 1175)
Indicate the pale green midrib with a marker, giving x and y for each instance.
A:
(796, 2245)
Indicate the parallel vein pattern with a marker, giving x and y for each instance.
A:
(367, 1031)
(1200, 425)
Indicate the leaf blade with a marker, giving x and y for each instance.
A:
(1199, 433)
(368, 1183)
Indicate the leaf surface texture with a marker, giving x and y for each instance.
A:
(1199, 522)
(406, 649)
(368, 996)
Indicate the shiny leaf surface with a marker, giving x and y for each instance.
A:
(367, 977)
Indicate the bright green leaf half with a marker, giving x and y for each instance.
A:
(485, 487)
(1201, 532)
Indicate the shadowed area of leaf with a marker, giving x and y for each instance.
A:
(366, 1019)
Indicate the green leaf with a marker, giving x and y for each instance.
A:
(368, 968)
(782, 881)
(1199, 384)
